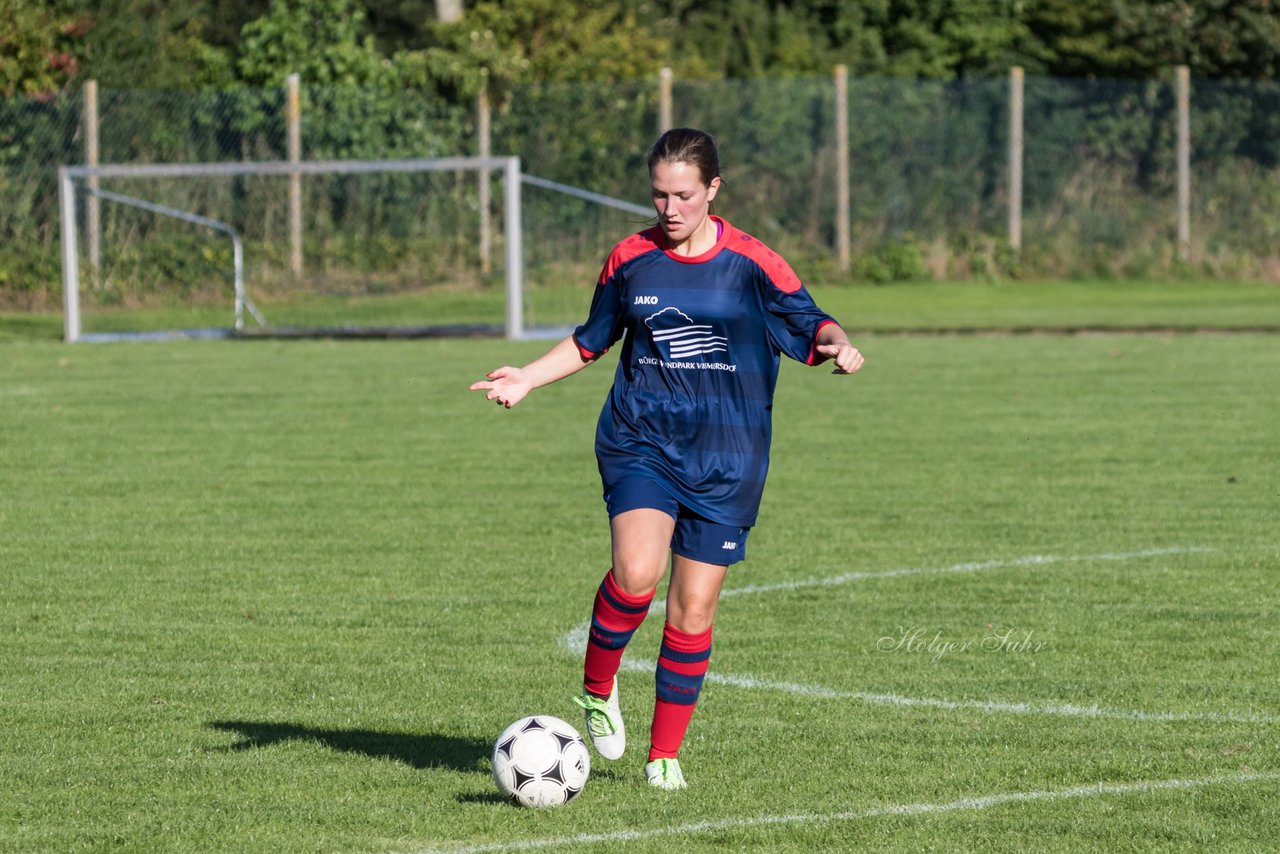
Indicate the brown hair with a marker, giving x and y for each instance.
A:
(687, 145)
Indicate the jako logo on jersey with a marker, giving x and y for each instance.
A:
(729, 545)
(677, 334)
(646, 301)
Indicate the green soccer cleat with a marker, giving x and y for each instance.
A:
(604, 722)
(665, 774)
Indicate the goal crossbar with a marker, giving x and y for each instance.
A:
(68, 176)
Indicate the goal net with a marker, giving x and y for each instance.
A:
(360, 248)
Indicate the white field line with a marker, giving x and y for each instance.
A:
(963, 804)
(1029, 560)
(576, 641)
(1060, 709)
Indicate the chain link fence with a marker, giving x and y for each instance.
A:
(929, 180)
(36, 135)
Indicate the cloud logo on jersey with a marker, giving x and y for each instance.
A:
(678, 337)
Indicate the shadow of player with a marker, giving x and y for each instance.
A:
(417, 751)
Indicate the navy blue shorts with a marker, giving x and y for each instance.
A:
(695, 537)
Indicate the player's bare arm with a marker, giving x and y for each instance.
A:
(834, 344)
(507, 386)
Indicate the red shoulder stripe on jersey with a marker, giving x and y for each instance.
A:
(633, 247)
(773, 264)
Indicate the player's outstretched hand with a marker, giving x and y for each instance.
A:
(506, 386)
(846, 357)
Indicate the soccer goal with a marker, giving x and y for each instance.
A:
(351, 248)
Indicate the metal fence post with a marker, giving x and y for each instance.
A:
(1183, 87)
(842, 168)
(293, 133)
(1015, 157)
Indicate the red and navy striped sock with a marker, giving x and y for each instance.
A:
(682, 665)
(614, 619)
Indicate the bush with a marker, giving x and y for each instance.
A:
(894, 261)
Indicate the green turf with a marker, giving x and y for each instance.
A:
(1004, 306)
(281, 596)
(1057, 305)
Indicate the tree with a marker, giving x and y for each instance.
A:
(225, 19)
(1078, 38)
(399, 25)
(542, 40)
(1217, 38)
(40, 48)
(151, 44)
(353, 95)
(1237, 39)
(324, 41)
(898, 38)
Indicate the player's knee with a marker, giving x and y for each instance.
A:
(691, 615)
(636, 577)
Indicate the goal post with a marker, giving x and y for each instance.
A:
(70, 176)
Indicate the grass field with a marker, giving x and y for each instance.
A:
(282, 596)
(1015, 306)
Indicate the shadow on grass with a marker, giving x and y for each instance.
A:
(30, 327)
(613, 772)
(489, 799)
(418, 751)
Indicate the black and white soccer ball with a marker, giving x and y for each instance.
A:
(541, 761)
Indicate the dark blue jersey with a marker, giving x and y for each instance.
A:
(691, 404)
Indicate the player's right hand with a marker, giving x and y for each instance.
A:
(506, 386)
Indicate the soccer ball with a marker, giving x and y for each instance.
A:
(541, 761)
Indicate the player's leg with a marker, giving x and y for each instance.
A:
(641, 548)
(685, 653)
(694, 594)
(703, 551)
(641, 537)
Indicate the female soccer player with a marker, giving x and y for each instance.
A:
(683, 438)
